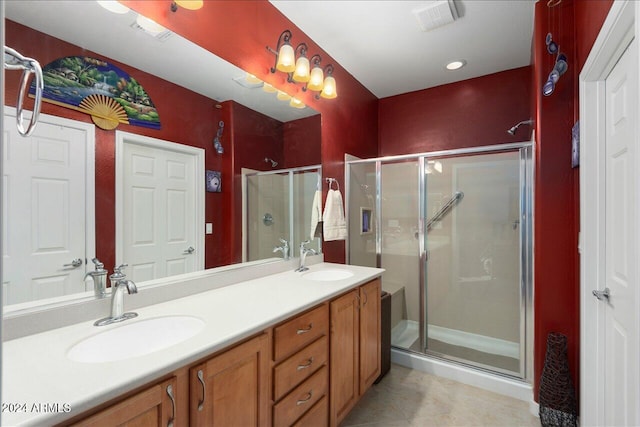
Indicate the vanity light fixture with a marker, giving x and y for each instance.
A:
(294, 62)
(114, 6)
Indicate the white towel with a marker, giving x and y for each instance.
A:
(316, 214)
(334, 224)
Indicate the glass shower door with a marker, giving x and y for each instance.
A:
(473, 237)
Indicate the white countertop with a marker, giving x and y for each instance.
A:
(36, 370)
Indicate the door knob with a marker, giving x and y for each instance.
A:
(189, 250)
(75, 263)
(602, 295)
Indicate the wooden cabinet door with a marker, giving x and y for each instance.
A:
(344, 355)
(369, 334)
(232, 389)
(155, 406)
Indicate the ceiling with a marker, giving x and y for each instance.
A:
(382, 45)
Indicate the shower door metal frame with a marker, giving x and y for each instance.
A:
(527, 170)
(289, 172)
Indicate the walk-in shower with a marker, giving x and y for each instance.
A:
(276, 206)
(453, 230)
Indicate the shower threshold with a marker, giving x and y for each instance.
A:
(483, 352)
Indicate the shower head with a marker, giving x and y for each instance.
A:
(273, 162)
(513, 130)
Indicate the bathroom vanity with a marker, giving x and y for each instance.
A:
(285, 349)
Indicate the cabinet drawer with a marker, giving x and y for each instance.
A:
(298, 367)
(300, 331)
(318, 416)
(301, 399)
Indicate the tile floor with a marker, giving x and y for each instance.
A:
(411, 398)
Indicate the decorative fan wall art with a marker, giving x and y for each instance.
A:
(99, 89)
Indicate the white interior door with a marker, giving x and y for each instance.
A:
(160, 198)
(621, 355)
(609, 232)
(47, 178)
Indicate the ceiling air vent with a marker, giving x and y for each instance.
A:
(436, 14)
(160, 36)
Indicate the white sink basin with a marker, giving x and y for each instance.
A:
(327, 275)
(135, 339)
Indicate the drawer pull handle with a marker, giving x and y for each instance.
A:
(304, 331)
(366, 297)
(173, 406)
(305, 365)
(306, 399)
(201, 379)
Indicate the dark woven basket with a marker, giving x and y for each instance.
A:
(557, 396)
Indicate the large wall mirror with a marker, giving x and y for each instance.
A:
(252, 141)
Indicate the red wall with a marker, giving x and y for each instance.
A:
(574, 25)
(302, 142)
(239, 32)
(470, 113)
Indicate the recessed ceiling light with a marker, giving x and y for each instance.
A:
(456, 65)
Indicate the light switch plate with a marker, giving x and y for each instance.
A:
(209, 228)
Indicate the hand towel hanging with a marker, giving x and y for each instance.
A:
(334, 223)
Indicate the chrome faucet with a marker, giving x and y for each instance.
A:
(119, 284)
(99, 277)
(304, 251)
(284, 249)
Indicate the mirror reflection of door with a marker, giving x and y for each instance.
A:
(46, 208)
(160, 207)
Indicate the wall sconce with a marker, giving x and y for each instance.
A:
(294, 62)
(187, 4)
(316, 79)
(329, 87)
(285, 56)
(301, 73)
